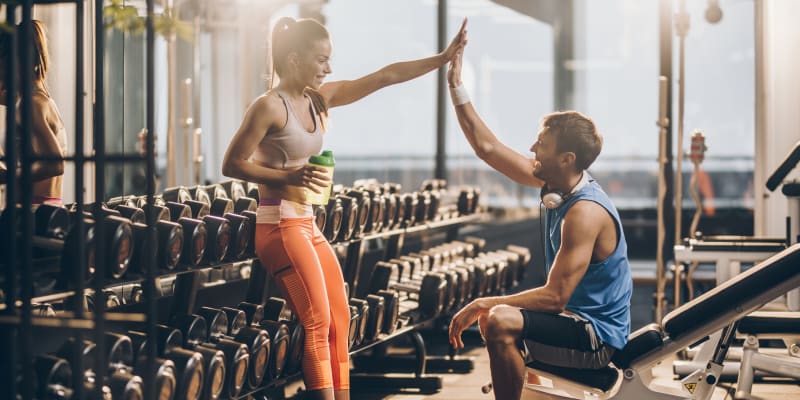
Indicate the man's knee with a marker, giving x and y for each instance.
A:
(503, 324)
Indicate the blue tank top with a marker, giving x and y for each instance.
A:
(603, 295)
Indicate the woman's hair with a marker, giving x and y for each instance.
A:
(41, 57)
(290, 35)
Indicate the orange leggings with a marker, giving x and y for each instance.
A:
(308, 274)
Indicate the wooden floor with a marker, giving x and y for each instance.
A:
(468, 386)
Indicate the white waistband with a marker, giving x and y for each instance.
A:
(287, 209)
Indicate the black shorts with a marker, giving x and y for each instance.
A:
(563, 340)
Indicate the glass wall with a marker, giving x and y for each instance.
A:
(515, 69)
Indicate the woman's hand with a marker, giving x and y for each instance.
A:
(457, 44)
(309, 176)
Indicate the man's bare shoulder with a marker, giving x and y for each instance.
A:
(587, 214)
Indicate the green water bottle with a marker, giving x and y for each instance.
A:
(326, 162)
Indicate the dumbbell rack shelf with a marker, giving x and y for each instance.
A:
(352, 251)
(132, 279)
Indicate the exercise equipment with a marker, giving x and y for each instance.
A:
(717, 309)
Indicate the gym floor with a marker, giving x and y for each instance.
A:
(468, 386)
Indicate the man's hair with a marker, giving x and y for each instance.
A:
(576, 133)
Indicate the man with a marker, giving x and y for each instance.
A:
(582, 313)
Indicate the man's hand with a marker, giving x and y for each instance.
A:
(458, 42)
(466, 317)
(454, 70)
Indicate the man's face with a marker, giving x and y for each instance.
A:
(546, 156)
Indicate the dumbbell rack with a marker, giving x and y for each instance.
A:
(17, 323)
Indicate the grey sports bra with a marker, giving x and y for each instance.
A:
(291, 146)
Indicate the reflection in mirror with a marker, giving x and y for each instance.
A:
(126, 97)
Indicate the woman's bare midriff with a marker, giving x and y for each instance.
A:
(296, 194)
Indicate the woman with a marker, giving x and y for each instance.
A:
(48, 137)
(281, 130)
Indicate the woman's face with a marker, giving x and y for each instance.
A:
(315, 64)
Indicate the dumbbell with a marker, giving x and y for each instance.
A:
(251, 245)
(472, 245)
(410, 204)
(178, 194)
(237, 192)
(431, 291)
(393, 190)
(200, 193)
(390, 211)
(460, 281)
(495, 272)
(216, 191)
(234, 189)
(500, 264)
(52, 225)
(253, 313)
(225, 360)
(279, 335)
(524, 259)
(68, 250)
(361, 321)
(220, 204)
(159, 211)
(230, 324)
(514, 265)
(121, 381)
(335, 216)
(413, 273)
(189, 369)
(275, 310)
(391, 310)
(374, 324)
(215, 364)
(169, 239)
(376, 210)
(364, 203)
(219, 238)
(107, 297)
(134, 214)
(297, 339)
(320, 217)
(195, 233)
(352, 331)
(466, 201)
(349, 217)
(53, 377)
(118, 244)
(252, 191)
(129, 200)
(42, 310)
(51, 221)
(240, 231)
(423, 207)
(434, 184)
(198, 209)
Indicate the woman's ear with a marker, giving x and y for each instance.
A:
(294, 60)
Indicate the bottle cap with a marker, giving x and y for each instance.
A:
(325, 159)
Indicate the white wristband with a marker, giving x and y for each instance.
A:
(459, 95)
